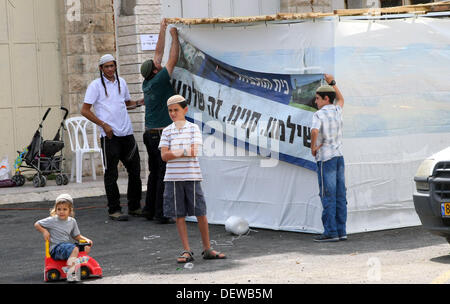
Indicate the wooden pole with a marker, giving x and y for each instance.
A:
(416, 9)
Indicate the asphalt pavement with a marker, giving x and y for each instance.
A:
(143, 251)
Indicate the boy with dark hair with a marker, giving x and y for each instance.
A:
(326, 147)
(183, 195)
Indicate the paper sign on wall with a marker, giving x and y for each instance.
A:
(148, 42)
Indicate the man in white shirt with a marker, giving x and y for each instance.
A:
(110, 98)
(326, 147)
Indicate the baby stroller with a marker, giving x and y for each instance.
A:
(41, 156)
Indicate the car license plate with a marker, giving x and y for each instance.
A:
(445, 209)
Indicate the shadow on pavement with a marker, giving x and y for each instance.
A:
(445, 259)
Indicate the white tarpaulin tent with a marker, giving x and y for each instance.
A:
(394, 76)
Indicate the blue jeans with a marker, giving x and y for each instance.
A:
(62, 251)
(331, 174)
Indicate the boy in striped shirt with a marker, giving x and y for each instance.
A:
(183, 195)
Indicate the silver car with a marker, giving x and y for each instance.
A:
(432, 195)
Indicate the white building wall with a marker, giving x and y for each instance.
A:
(218, 8)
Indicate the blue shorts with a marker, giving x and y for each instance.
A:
(62, 251)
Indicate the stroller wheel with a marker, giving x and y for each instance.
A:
(36, 181)
(18, 179)
(59, 180)
(43, 181)
(21, 180)
(39, 180)
(65, 179)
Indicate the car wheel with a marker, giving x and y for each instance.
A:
(85, 273)
(448, 239)
(53, 275)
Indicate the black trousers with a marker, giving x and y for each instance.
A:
(155, 183)
(124, 149)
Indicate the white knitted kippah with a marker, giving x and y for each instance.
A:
(106, 58)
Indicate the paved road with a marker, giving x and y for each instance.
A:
(141, 251)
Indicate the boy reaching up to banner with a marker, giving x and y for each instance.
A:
(326, 147)
(183, 195)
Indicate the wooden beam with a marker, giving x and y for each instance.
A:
(440, 8)
(415, 9)
(222, 20)
(427, 7)
(290, 16)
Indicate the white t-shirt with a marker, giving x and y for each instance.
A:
(183, 168)
(112, 108)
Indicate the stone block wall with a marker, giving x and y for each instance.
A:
(87, 31)
(86, 40)
(136, 17)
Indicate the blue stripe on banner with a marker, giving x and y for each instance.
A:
(278, 86)
(275, 87)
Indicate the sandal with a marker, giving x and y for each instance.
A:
(187, 259)
(209, 254)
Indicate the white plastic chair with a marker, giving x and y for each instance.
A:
(83, 140)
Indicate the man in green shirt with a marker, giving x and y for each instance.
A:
(157, 90)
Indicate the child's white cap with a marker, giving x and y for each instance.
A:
(175, 99)
(64, 198)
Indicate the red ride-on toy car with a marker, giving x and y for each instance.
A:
(56, 270)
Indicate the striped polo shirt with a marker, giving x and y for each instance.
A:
(182, 168)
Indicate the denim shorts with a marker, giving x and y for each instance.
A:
(62, 251)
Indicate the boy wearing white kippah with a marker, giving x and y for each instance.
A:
(183, 195)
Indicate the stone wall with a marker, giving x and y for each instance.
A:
(136, 17)
(85, 41)
(87, 31)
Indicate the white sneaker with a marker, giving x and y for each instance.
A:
(73, 277)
